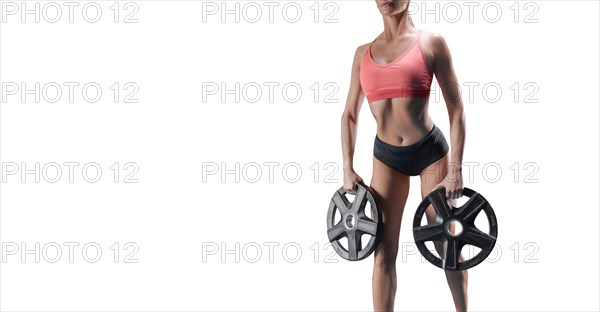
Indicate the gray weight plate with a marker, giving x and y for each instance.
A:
(354, 223)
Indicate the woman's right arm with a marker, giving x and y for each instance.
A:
(350, 123)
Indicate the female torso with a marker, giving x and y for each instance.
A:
(401, 121)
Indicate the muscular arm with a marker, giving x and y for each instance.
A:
(351, 111)
(446, 78)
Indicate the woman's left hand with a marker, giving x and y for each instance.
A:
(453, 184)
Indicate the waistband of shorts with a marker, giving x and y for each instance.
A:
(411, 146)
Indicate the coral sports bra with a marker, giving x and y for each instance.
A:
(407, 76)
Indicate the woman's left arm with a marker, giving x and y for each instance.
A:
(446, 78)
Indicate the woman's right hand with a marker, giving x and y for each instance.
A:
(350, 180)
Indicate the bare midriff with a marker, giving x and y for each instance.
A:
(402, 121)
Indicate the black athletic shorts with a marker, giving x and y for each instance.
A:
(414, 158)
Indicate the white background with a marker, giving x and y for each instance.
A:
(547, 252)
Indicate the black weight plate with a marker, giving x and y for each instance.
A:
(452, 244)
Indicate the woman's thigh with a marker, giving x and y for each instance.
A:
(390, 189)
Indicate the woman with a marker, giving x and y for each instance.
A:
(395, 72)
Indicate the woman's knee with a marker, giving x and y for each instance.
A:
(439, 247)
(386, 255)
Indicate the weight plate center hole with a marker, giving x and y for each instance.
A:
(454, 228)
(350, 221)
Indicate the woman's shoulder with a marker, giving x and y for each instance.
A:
(431, 38)
(362, 48)
(360, 51)
(432, 44)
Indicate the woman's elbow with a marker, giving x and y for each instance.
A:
(348, 117)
